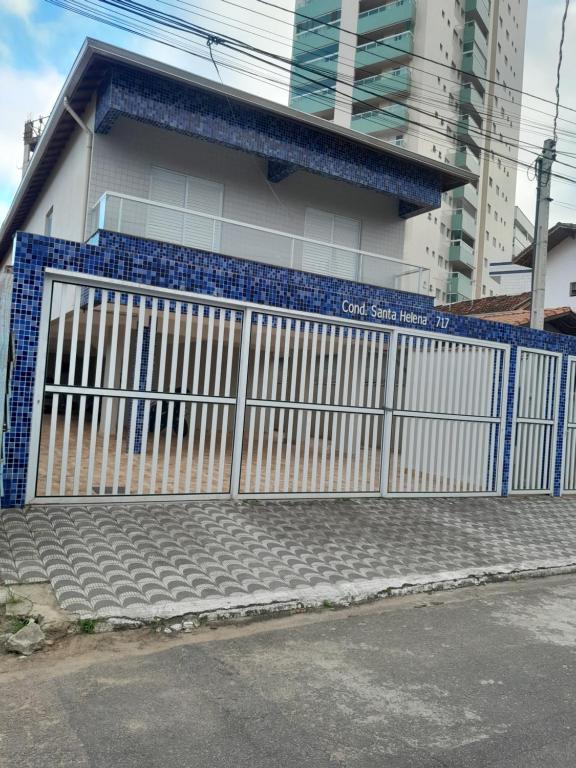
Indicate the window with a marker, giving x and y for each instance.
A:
(337, 230)
(48, 222)
(572, 289)
(185, 192)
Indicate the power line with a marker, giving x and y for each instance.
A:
(237, 46)
(418, 56)
(558, 71)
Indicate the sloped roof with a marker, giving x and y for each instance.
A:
(560, 231)
(87, 72)
(488, 305)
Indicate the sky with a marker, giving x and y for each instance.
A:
(39, 42)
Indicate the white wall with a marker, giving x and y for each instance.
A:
(561, 272)
(63, 191)
(123, 159)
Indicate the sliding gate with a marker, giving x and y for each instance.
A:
(142, 392)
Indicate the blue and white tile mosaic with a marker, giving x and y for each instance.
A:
(176, 267)
(287, 143)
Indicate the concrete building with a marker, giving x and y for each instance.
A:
(512, 278)
(417, 74)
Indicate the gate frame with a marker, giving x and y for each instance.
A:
(570, 360)
(555, 424)
(54, 275)
(501, 420)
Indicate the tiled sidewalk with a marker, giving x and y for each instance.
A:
(163, 559)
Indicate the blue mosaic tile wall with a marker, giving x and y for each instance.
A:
(287, 143)
(179, 268)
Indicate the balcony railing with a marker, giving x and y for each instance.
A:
(459, 288)
(369, 88)
(391, 117)
(385, 49)
(389, 15)
(139, 217)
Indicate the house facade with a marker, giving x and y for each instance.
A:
(208, 299)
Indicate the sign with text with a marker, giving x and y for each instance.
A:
(409, 317)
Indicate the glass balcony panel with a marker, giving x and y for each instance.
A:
(395, 81)
(462, 221)
(389, 117)
(461, 254)
(459, 288)
(389, 15)
(312, 103)
(385, 49)
(166, 223)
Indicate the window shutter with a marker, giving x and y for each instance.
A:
(169, 188)
(335, 230)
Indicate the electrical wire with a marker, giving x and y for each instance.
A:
(231, 43)
(558, 71)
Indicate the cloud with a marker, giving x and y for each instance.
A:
(22, 8)
(23, 95)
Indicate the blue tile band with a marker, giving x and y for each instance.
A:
(119, 257)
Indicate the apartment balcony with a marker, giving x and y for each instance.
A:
(322, 41)
(474, 62)
(148, 219)
(467, 130)
(321, 71)
(465, 158)
(391, 117)
(465, 196)
(393, 82)
(470, 100)
(459, 288)
(478, 10)
(318, 7)
(395, 14)
(461, 255)
(463, 223)
(472, 36)
(314, 103)
(386, 49)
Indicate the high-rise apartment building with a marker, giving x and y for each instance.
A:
(440, 78)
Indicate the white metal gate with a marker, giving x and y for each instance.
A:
(147, 392)
(535, 422)
(448, 416)
(314, 407)
(137, 394)
(569, 464)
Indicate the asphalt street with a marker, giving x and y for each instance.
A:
(473, 678)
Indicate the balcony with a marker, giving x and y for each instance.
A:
(461, 255)
(392, 117)
(459, 288)
(386, 49)
(472, 36)
(390, 83)
(463, 223)
(470, 99)
(465, 158)
(467, 130)
(474, 62)
(322, 41)
(148, 219)
(465, 196)
(314, 103)
(321, 71)
(318, 7)
(400, 12)
(478, 10)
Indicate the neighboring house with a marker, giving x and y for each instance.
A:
(560, 265)
(444, 79)
(515, 310)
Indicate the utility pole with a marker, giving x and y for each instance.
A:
(544, 180)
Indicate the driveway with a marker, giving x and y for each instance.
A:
(163, 559)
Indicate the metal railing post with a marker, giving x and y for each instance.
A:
(240, 404)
